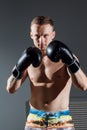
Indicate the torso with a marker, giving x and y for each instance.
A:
(50, 86)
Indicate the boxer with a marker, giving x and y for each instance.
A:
(51, 70)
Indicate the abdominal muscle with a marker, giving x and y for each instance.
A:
(50, 99)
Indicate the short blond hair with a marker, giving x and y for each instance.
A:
(40, 20)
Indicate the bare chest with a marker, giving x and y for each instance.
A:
(48, 73)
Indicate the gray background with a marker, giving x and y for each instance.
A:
(70, 18)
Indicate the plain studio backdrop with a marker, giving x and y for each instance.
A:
(70, 17)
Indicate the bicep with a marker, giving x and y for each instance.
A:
(24, 76)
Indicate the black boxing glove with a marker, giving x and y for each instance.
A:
(31, 55)
(57, 50)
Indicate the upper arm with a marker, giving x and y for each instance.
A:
(80, 79)
(25, 74)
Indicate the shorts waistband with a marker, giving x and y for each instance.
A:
(51, 114)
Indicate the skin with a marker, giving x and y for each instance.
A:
(50, 82)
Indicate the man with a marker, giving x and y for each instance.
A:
(51, 68)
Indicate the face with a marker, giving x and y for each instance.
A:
(42, 35)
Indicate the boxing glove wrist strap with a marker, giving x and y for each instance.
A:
(16, 73)
(74, 67)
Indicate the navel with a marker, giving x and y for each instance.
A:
(46, 103)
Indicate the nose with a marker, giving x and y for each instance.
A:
(41, 41)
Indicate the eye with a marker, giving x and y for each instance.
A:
(46, 35)
(37, 36)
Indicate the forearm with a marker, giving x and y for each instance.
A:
(80, 79)
(13, 84)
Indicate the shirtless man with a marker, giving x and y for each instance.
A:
(51, 69)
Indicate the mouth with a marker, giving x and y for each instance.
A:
(43, 49)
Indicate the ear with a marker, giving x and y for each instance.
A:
(31, 36)
(53, 35)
